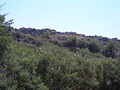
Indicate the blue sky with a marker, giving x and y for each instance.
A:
(89, 17)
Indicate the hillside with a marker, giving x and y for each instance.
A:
(44, 59)
(70, 40)
(38, 32)
(47, 59)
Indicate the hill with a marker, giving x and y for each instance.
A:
(70, 40)
(44, 59)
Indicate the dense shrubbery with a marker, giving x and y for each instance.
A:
(27, 66)
(110, 49)
(53, 68)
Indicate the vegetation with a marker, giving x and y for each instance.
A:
(57, 62)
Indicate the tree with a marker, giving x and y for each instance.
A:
(5, 37)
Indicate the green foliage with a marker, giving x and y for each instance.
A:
(70, 42)
(4, 36)
(20, 71)
(52, 66)
(111, 49)
(46, 35)
(94, 46)
(82, 43)
(108, 75)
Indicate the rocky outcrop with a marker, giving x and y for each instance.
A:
(19, 34)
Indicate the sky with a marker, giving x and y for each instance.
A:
(89, 17)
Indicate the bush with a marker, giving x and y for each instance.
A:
(94, 46)
(111, 49)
